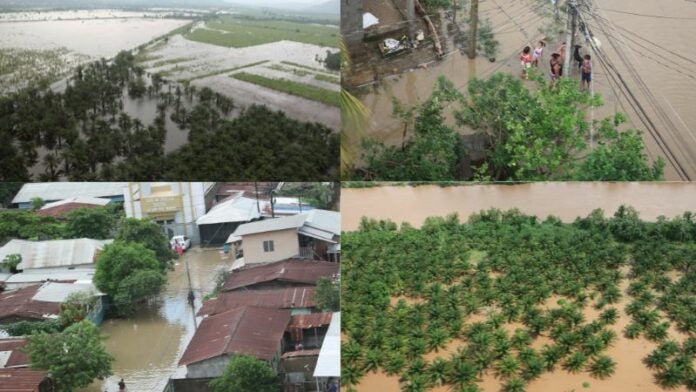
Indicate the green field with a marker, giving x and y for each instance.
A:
(234, 32)
(290, 87)
(226, 70)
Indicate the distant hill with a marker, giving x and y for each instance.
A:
(327, 7)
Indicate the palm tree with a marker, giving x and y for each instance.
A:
(514, 385)
(609, 316)
(602, 367)
(462, 372)
(671, 376)
(373, 358)
(507, 366)
(438, 371)
(633, 330)
(658, 332)
(350, 375)
(575, 362)
(437, 339)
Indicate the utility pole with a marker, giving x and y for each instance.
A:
(256, 189)
(473, 28)
(411, 15)
(572, 23)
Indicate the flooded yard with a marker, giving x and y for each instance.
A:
(148, 345)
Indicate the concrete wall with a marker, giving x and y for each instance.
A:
(285, 243)
(210, 368)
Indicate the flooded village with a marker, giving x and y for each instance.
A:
(253, 271)
(642, 62)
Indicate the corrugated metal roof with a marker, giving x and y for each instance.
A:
(63, 207)
(293, 297)
(15, 357)
(291, 270)
(59, 292)
(19, 304)
(329, 362)
(234, 209)
(246, 330)
(65, 190)
(311, 320)
(273, 224)
(21, 380)
(324, 220)
(61, 275)
(54, 253)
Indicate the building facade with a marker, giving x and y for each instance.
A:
(175, 206)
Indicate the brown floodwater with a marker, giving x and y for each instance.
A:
(566, 200)
(148, 345)
(672, 84)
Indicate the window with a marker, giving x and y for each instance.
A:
(268, 246)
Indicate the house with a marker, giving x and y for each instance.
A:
(224, 218)
(299, 300)
(314, 234)
(11, 355)
(56, 255)
(42, 275)
(308, 330)
(24, 380)
(19, 305)
(43, 301)
(282, 274)
(245, 330)
(175, 206)
(61, 208)
(51, 192)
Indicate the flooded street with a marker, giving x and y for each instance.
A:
(148, 345)
(564, 200)
(659, 48)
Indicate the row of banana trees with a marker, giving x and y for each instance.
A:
(531, 282)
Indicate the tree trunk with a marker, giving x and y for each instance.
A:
(473, 28)
(411, 14)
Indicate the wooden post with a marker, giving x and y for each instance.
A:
(473, 28)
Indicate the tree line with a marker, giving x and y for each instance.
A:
(83, 133)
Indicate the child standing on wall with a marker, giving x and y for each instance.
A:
(526, 61)
(538, 53)
(586, 70)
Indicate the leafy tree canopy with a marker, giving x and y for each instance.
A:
(74, 357)
(327, 295)
(95, 223)
(245, 373)
(150, 235)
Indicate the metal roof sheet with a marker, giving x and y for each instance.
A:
(21, 380)
(59, 292)
(291, 270)
(63, 207)
(54, 253)
(234, 209)
(273, 224)
(246, 330)
(329, 362)
(60, 274)
(13, 357)
(20, 304)
(66, 190)
(293, 297)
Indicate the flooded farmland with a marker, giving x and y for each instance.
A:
(659, 48)
(564, 200)
(163, 328)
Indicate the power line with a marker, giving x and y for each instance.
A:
(650, 16)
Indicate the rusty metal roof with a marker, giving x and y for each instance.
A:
(15, 358)
(21, 380)
(288, 298)
(304, 321)
(61, 210)
(19, 304)
(291, 271)
(247, 330)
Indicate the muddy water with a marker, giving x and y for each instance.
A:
(148, 345)
(564, 200)
(674, 92)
